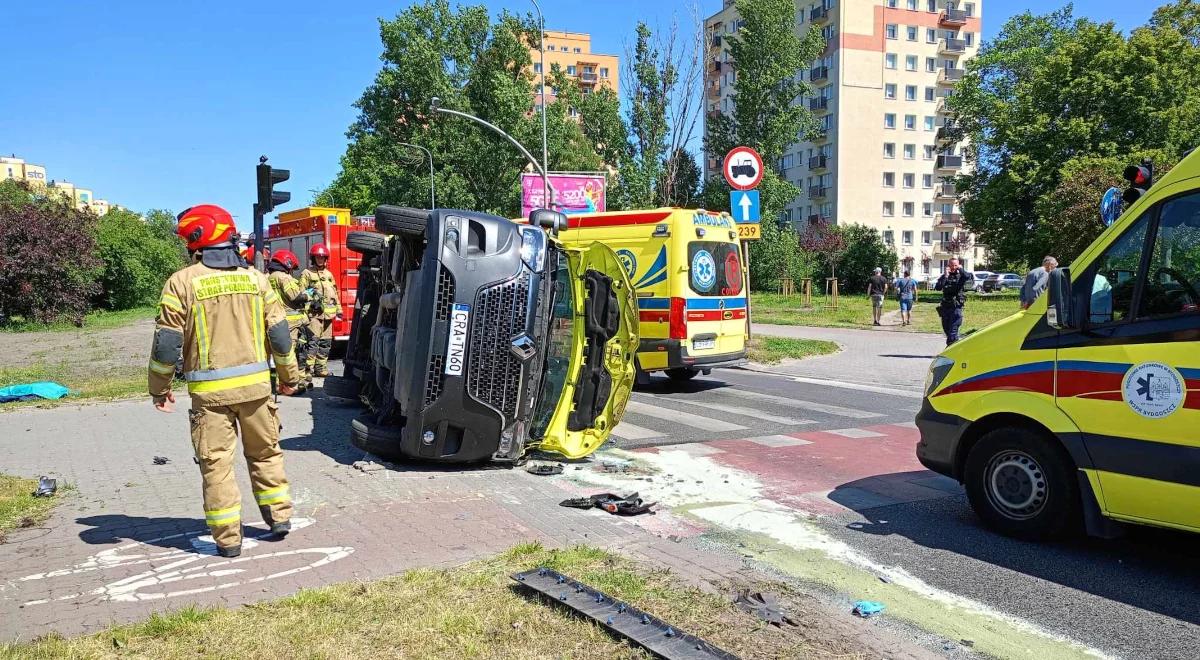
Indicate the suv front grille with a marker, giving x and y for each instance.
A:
(493, 372)
(434, 378)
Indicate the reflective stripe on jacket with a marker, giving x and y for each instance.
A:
(322, 282)
(291, 294)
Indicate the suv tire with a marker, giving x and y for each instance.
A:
(367, 243)
(383, 441)
(342, 387)
(681, 374)
(1022, 483)
(401, 221)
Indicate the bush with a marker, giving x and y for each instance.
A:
(864, 252)
(139, 255)
(775, 255)
(48, 265)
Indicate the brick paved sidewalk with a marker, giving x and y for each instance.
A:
(129, 539)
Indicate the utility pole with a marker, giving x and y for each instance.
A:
(432, 196)
(542, 97)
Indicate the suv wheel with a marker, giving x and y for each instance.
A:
(682, 373)
(365, 242)
(1023, 484)
(401, 220)
(342, 387)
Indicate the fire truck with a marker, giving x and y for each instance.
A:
(301, 229)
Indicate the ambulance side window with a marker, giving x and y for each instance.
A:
(1174, 276)
(1115, 276)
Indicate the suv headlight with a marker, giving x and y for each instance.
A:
(938, 370)
(533, 248)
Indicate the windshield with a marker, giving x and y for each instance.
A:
(558, 348)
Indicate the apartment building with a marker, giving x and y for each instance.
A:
(12, 167)
(883, 156)
(572, 52)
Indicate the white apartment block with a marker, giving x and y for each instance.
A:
(879, 92)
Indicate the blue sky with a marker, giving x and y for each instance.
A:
(155, 104)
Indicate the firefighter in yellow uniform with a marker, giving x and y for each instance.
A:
(228, 324)
(323, 307)
(294, 299)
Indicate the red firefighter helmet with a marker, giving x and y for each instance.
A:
(319, 250)
(204, 226)
(286, 258)
(248, 254)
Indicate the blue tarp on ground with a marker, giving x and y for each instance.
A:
(43, 390)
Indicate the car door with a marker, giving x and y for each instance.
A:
(1130, 379)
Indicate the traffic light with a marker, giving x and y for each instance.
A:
(1140, 178)
(268, 197)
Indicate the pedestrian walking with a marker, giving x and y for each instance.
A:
(906, 291)
(323, 307)
(1036, 280)
(952, 284)
(294, 299)
(226, 321)
(877, 287)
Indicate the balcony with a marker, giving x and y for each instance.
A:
(954, 18)
(946, 191)
(819, 104)
(946, 133)
(943, 105)
(818, 162)
(716, 66)
(589, 77)
(820, 14)
(818, 219)
(950, 76)
(947, 220)
(817, 192)
(819, 135)
(952, 47)
(818, 73)
(949, 162)
(716, 41)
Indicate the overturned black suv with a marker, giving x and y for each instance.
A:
(476, 338)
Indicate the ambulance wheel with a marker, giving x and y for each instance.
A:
(401, 220)
(1022, 483)
(681, 374)
(366, 243)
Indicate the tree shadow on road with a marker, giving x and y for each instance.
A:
(1150, 569)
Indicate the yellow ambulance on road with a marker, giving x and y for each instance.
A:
(687, 268)
(1084, 410)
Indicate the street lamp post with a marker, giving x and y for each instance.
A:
(432, 197)
(435, 104)
(542, 98)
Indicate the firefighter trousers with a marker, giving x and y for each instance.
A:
(214, 438)
(322, 343)
(302, 340)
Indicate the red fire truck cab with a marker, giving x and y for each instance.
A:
(303, 228)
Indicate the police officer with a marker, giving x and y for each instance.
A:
(952, 284)
(279, 274)
(227, 323)
(323, 307)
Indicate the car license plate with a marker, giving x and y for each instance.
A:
(456, 347)
(704, 344)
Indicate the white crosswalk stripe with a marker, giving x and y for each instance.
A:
(629, 431)
(802, 405)
(680, 417)
(737, 410)
(854, 433)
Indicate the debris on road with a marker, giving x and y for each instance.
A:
(46, 487)
(544, 469)
(161, 460)
(765, 606)
(641, 628)
(367, 466)
(630, 505)
(27, 391)
(868, 608)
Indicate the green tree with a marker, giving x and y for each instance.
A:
(852, 253)
(1053, 95)
(138, 254)
(475, 65)
(683, 189)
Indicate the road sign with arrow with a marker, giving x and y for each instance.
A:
(743, 204)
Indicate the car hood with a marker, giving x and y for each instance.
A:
(617, 357)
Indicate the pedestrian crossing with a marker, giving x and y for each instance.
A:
(733, 412)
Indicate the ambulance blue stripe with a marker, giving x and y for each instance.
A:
(660, 263)
(1189, 373)
(662, 277)
(1010, 371)
(654, 303)
(715, 303)
(1098, 367)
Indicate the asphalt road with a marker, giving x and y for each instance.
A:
(1136, 597)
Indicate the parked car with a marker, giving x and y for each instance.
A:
(476, 338)
(997, 282)
(976, 283)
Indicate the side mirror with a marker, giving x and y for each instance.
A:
(1060, 312)
(552, 221)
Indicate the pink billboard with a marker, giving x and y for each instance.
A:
(573, 193)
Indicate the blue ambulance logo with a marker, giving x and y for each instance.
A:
(704, 271)
(628, 261)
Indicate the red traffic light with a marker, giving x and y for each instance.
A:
(1138, 175)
